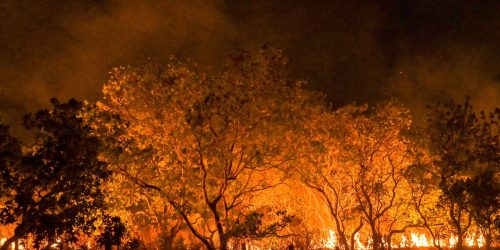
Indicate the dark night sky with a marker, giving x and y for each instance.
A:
(356, 51)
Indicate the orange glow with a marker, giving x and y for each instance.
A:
(12, 246)
(415, 240)
(330, 242)
(419, 240)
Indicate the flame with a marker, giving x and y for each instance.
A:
(359, 244)
(480, 241)
(331, 242)
(58, 241)
(474, 239)
(404, 242)
(419, 240)
(469, 239)
(414, 239)
(3, 240)
(452, 242)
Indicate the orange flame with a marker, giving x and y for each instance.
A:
(415, 240)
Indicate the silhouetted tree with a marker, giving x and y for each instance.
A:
(10, 155)
(53, 190)
(484, 186)
(484, 203)
(466, 157)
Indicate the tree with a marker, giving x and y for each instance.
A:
(322, 173)
(484, 203)
(10, 155)
(207, 145)
(357, 166)
(146, 213)
(53, 190)
(484, 186)
(379, 155)
(425, 196)
(465, 150)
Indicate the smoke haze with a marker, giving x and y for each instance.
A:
(418, 52)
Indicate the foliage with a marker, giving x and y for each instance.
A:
(207, 145)
(357, 165)
(173, 159)
(52, 191)
(253, 225)
(113, 233)
(466, 162)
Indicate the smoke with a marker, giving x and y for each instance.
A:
(65, 48)
(355, 51)
(334, 45)
(447, 50)
(421, 81)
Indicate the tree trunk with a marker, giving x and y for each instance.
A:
(375, 237)
(343, 239)
(460, 240)
(376, 242)
(223, 240)
(353, 244)
(203, 240)
(8, 242)
(487, 241)
(223, 243)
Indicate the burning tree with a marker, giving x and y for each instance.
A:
(206, 145)
(425, 197)
(324, 174)
(358, 162)
(379, 155)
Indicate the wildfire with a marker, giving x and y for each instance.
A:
(415, 240)
(452, 242)
(419, 240)
(359, 245)
(480, 241)
(3, 240)
(404, 241)
(331, 241)
(474, 239)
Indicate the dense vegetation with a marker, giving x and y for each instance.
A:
(173, 159)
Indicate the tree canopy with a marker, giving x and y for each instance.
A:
(51, 189)
(172, 158)
(208, 145)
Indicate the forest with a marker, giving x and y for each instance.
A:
(247, 158)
